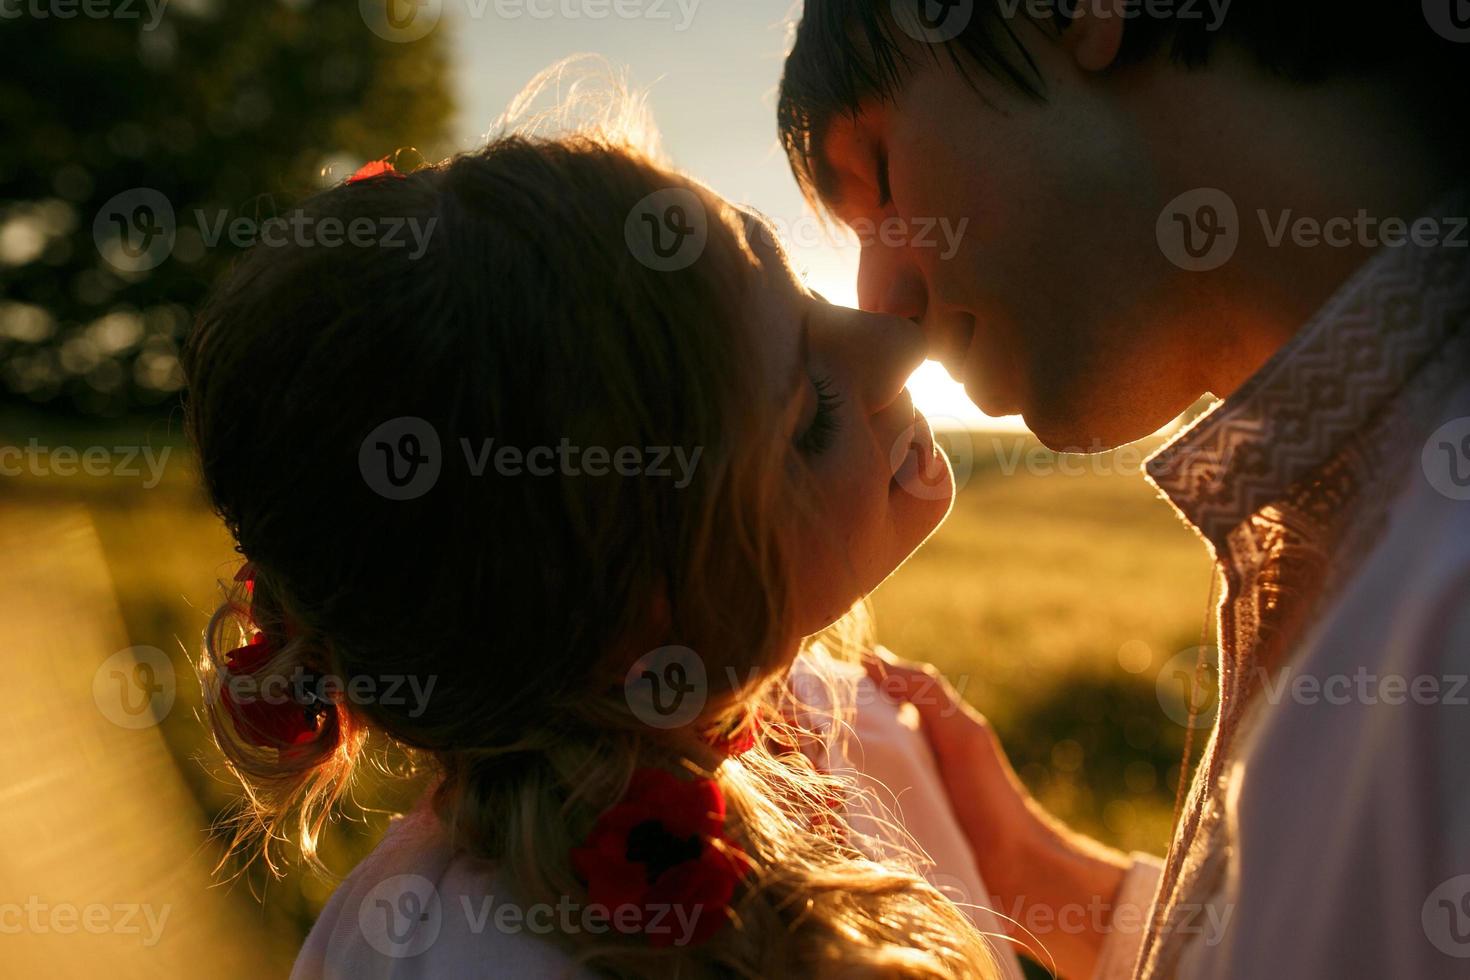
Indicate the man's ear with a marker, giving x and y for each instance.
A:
(1095, 33)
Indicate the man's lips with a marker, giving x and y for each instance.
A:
(977, 361)
(951, 346)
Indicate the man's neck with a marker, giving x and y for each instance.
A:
(1294, 157)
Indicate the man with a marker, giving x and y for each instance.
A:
(1263, 200)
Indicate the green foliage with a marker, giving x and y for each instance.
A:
(228, 109)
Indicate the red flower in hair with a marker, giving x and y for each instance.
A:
(260, 716)
(739, 741)
(662, 852)
(376, 168)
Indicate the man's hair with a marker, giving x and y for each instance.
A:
(849, 52)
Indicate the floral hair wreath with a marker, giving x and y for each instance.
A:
(387, 166)
(284, 725)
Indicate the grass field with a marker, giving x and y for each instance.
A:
(1052, 597)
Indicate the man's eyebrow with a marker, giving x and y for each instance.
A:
(825, 184)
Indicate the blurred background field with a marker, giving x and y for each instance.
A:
(1053, 598)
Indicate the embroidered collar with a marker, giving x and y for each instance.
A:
(1339, 372)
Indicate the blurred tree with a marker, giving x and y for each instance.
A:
(130, 129)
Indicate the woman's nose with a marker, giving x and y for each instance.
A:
(878, 352)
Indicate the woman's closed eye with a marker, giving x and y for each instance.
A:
(818, 436)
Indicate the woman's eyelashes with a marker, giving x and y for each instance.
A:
(818, 436)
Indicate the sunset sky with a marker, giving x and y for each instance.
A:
(710, 68)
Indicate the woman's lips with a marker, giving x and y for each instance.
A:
(915, 458)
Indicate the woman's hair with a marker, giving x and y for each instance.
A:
(521, 599)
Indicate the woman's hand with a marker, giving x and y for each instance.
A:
(993, 808)
(1038, 871)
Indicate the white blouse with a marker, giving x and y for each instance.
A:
(415, 908)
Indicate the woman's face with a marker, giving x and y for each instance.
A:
(880, 483)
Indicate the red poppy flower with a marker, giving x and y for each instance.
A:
(737, 742)
(375, 168)
(259, 716)
(662, 852)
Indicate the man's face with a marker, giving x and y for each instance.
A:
(1058, 303)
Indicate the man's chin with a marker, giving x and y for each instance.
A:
(1084, 437)
(991, 399)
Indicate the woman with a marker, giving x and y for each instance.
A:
(404, 447)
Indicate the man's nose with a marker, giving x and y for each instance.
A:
(888, 283)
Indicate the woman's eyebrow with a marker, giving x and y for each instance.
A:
(799, 376)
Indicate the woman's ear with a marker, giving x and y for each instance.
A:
(1095, 33)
